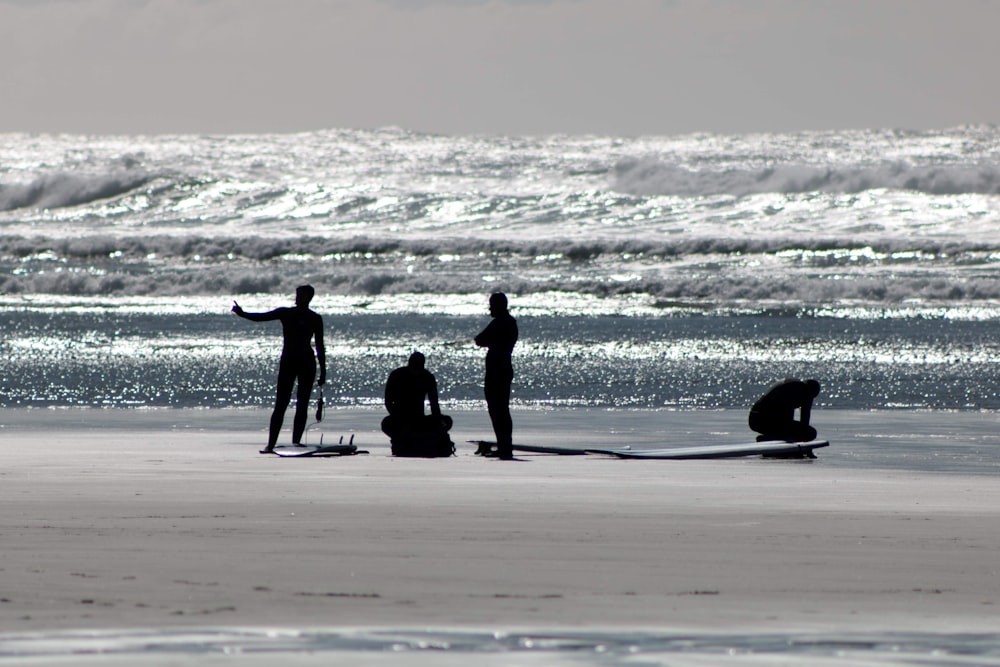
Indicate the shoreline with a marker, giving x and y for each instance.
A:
(925, 441)
(125, 526)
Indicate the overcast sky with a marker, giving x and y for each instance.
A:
(619, 67)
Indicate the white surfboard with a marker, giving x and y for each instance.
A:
(315, 450)
(770, 448)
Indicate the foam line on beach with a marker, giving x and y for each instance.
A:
(591, 647)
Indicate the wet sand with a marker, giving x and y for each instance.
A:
(171, 519)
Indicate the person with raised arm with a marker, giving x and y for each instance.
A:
(302, 328)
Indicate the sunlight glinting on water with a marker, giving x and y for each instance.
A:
(790, 350)
(261, 345)
(644, 271)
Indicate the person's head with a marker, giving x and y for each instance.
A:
(303, 295)
(416, 362)
(814, 387)
(498, 303)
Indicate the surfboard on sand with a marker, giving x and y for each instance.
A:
(316, 450)
(767, 449)
(770, 449)
(535, 449)
(340, 449)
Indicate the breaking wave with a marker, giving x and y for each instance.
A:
(711, 270)
(60, 190)
(880, 217)
(262, 248)
(653, 176)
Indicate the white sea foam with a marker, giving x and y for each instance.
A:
(388, 646)
(808, 218)
(64, 189)
(653, 176)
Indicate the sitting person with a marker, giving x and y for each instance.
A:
(411, 432)
(773, 415)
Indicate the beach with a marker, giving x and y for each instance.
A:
(119, 520)
(661, 284)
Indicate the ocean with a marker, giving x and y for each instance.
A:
(684, 272)
(674, 275)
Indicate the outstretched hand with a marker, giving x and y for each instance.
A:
(236, 308)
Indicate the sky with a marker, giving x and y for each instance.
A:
(516, 67)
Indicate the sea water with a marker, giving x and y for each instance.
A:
(376, 647)
(684, 272)
(678, 274)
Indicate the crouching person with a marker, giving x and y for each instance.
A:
(773, 415)
(410, 431)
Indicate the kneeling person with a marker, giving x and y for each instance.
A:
(411, 432)
(773, 415)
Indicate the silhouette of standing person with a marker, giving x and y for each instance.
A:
(499, 337)
(773, 415)
(300, 326)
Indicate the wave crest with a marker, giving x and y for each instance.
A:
(61, 189)
(708, 270)
(653, 176)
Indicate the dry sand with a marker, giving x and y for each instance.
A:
(164, 519)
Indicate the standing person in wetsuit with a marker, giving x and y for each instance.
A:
(299, 327)
(499, 338)
(773, 415)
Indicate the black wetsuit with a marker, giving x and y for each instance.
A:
(499, 336)
(405, 391)
(299, 327)
(773, 415)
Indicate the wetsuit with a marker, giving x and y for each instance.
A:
(773, 415)
(299, 326)
(499, 336)
(405, 391)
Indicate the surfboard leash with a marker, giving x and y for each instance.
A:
(319, 405)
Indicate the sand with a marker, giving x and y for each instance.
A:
(171, 519)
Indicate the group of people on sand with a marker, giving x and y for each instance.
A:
(413, 433)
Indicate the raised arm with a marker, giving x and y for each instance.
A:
(257, 317)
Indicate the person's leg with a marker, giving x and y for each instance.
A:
(306, 378)
(485, 448)
(498, 406)
(432, 424)
(505, 434)
(389, 426)
(799, 432)
(283, 394)
(771, 428)
(407, 435)
(759, 422)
